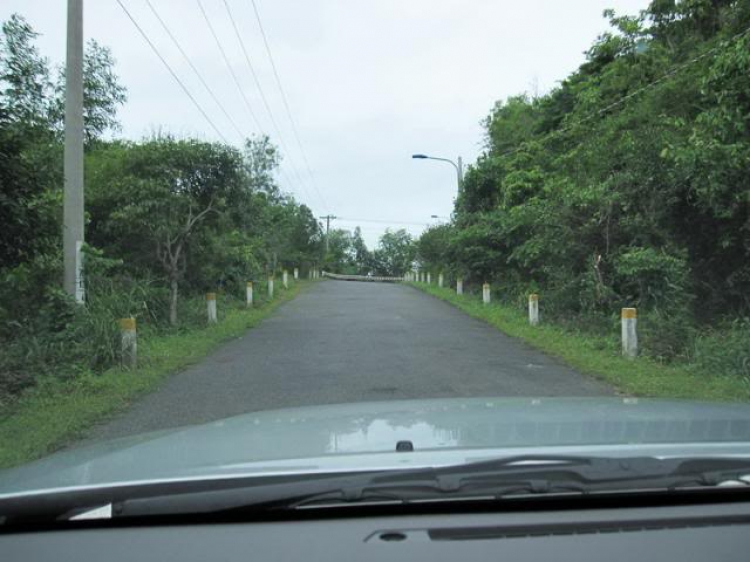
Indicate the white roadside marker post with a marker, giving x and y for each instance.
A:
(296, 273)
(534, 309)
(440, 280)
(211, 307)
(285, 279)
(459, 286)
(486, 293)
(249, 293)
(270, 287)
(629, 334)
(129, 343)
(429, 278)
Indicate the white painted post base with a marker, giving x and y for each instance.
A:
(129, 343)
(486, 293)
(629, 334)
(211, 308)
(440, 280)
(534, 310)
(249, 293)
(270, 287)
(296, 273)
(459, 286)
(285, 279)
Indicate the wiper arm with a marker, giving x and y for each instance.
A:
(501, 478)
(529, 476)
(498, 478)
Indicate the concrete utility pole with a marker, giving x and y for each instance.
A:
(73, 158)
(328, 219)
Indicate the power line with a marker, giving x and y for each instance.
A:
(229, 67)
(285, 101)
(263, 95)
(195, 70)
(172, 72)
(236, 81)
(381, 221)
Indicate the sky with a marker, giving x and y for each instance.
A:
(367, 84)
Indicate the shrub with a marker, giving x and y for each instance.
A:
(724, 352)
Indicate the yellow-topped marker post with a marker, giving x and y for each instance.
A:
(129, 343)
(534, 309)
(629, 333)
(211, 308)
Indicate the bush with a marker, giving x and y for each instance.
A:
(724, 352)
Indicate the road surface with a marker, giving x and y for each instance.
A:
(342, 341)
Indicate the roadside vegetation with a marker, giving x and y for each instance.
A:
(627, 185)
(167, 220)
(599, 355)
(57, 410)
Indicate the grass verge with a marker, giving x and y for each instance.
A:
(55, 413)
(640, 377)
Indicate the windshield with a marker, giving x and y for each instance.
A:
(244, 238)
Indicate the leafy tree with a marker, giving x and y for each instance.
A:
(395, 253)
(102, 93)
(627, 184)
(362, 256)
(24, 75)
(152, 200)
(340, 257)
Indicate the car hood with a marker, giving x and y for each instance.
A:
(363, 436)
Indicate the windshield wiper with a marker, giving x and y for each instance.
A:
(497, 478)
(502, 478)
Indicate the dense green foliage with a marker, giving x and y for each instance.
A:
(627, 185)
(167, 220)
(348, 253)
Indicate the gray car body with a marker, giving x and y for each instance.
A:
(363, 436)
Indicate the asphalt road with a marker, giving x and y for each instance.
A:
(342, 341)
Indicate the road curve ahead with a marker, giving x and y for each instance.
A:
(342, 341)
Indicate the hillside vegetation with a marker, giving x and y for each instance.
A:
(626, 185)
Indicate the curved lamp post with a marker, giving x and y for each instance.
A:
(457, 165)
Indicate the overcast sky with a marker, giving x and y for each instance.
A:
(368, 82)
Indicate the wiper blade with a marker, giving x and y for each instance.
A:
(497, 478)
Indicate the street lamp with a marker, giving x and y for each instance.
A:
(457, 165)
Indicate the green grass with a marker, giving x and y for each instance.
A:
(55, 413)
(639, 377)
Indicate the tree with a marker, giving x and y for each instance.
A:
(102, 93)
(628, 182)
(24, 75)
(362, 256)
(395, 253)
(340, 255)
(152, 200)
